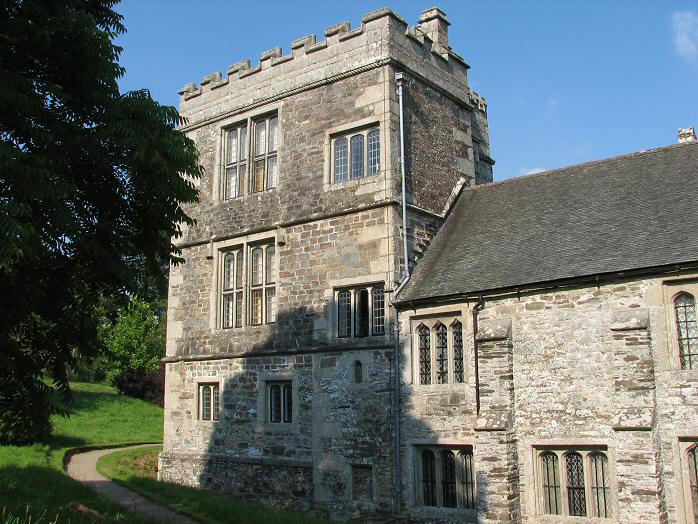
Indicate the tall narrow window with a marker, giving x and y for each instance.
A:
(235, 161)
(361, 309)
(344, 314)
(232, 289)
(357, 156)
(378, 310)
(280, 402)
(429, 477)
(448, 479)
(341, 158)
(441, 354)
(687, 330)
(209, 401)
(374, 151)
(693, 480)
(457, 341)
(576, 500)
(467, 478)
(358, 372)
(551, 483)
(600, 490)
(264, 174)
(262, 286)
(424, 337)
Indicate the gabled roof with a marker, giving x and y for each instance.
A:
(625, 213)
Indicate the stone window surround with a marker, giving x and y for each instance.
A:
(673, 288)
(562, 447)
(356, 282)
(209, 380)
(357, 126)
(684, 504)
(365, 463)
(219, 249)
(415, 465)
(262, 425)
(218, 175)
(447, 319)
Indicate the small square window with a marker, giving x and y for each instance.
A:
(361, 482)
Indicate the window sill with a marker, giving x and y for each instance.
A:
(376, 180)
(246, 196)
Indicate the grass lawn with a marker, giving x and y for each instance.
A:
(136, 469)
(33, 475)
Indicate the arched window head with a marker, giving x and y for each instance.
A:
(358, 372)
(448, 479)
(424, 343)
(686, 330)
(600, 490)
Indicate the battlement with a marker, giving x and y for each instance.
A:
(383, 35)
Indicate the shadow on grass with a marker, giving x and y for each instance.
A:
(51, 493)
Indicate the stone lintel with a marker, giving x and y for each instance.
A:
(494, 329)
(630, 319)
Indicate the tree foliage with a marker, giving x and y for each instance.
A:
(135, 344)
(92, 186)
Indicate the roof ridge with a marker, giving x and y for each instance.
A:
(583, 164)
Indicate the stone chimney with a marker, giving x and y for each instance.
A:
(435, 25)
(687, 134)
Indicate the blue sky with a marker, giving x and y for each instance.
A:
(566, 82)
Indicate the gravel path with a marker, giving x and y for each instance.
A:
(83, 467)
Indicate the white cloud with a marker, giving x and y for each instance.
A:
(686, 33)
(526, 171)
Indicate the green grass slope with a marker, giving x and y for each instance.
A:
(33, 475)
(136, 469)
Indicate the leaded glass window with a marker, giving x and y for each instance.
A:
(441, 354)
(378, 310)
(209, 401)
(280, 402)
(264, 173)
(600, 490)
(467, 478)
(576, 500)
(687, 330)
(457, 341)
(235, 161)
(551, 483)
(448, 479)
(357, 156)
(262, 285)
(341, 159)
(232, 292)
(344, 314)
(374, 151)
(424, 338)
(361, 311)
(429, 477)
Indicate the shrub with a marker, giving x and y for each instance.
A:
(24, 412)
(135, 346)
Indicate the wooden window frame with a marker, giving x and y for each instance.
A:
(240, 162)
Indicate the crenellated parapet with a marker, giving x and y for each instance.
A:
(383, 37)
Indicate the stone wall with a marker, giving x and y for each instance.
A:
(590, 368)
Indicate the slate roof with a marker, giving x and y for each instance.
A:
(625, 213)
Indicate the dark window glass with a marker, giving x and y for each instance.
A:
(275, 403)
(358, 372)
(424, 337)
(361, 313)
(467, 479)
(357, 156)
(551, 483)
(458, 364)
(693, 480)
(374, 151)
(576, 499)
(341, 159)
(216, 401)
(288, 403)
(429, 477)
(448, 479)
(686, 327)
(441, 354)
(600, 491)
(378, 310)
(206, 402)
(344, 314)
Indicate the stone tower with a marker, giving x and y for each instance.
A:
(279, 367)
